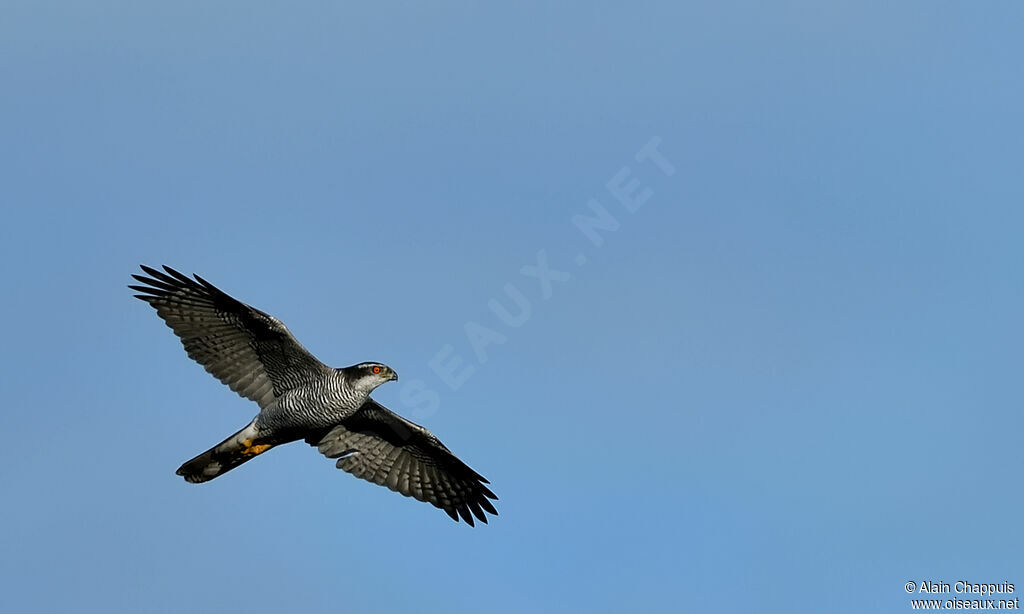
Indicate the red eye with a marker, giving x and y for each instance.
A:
(376, 369)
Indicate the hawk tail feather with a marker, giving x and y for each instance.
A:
(240, 448)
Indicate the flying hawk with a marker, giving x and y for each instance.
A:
(255, 355)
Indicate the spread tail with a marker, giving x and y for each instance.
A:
(225, 456)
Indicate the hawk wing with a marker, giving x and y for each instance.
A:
(251, 352)
(377, 445)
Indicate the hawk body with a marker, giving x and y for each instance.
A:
(300, 398)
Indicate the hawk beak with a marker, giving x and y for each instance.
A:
(394, 377)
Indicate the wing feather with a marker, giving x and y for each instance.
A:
(386, 449)
(250, 351)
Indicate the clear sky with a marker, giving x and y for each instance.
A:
(777, 369)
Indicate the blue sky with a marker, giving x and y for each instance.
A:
(789, 381)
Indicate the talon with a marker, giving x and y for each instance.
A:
(249, 449)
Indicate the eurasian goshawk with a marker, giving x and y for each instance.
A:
(255, 355)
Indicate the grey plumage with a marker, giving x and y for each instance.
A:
(255, 355)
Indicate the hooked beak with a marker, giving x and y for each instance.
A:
(393, 377)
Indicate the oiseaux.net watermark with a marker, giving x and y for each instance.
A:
(962, 595)
(630, 189)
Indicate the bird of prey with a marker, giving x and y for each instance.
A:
(255, 355)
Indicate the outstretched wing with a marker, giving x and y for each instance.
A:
(377, 445)
(250, 351)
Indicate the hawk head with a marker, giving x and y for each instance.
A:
(368, 375)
